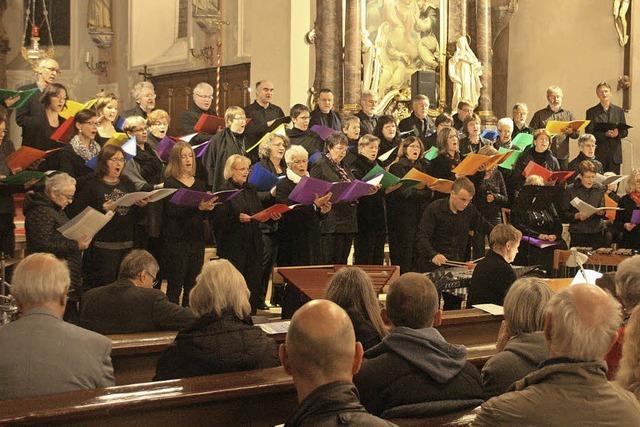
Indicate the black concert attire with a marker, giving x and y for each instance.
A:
(241, 242)
(183, 242)
(588, 233)
(629, 203)
(491, 280)
(257, 127)
(223, 144)
(339, 226)
(386, 145)
(559, 143)
(405, 207)
(574, 165)
(367, 123)
(189, 119)
(422, 127)
(491, 212)
(135, 111)
(7, 208)
(523, 129)
(608, 150)
(467, 146)
(369, 242)
(329, 120)
(309, 140)
(29, 115)
(442, 167)
(73, 159)
(545, 159)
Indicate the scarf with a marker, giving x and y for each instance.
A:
(340, 169)
(635, 196)
(294, 177)
(82, 151)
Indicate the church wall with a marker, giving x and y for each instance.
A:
(572, 44)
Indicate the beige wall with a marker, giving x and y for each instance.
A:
(572, 44)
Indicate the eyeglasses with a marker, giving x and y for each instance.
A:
(241, 118)
(69, 197)
(205, 96)
(154, 281)
(52, 69)
(139, 130)
(117, 159)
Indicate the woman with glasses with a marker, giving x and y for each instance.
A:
(405, 205)
(81, 148)
(106, 108)
(238, 237)
(115, 239)
(182, 236)
(158, 124)
(224, 144)
(300, 134)
(44, 214)
(339, 226)
(145, 170)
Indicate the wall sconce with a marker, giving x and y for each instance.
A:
(206, 54)
(97, 68)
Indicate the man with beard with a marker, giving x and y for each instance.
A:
(554, 111)
(262, 113)
(145, 96)
(368, 120)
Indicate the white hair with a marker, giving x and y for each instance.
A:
(58, 182)
(628, 282)
(583, 330)
(584, 138)
(137, 88)
(295, 151)
(524, 305)
(40, 278)
(505, 121)
(220, 287)
(202, 86)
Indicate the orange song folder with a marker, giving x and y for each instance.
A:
(441, 185)
(209, 124)
(25, 157)
(610, 203)
(533, 168)
(471, 164)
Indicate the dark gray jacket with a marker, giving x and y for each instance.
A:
(595, 197)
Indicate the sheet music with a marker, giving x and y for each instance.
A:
(496, 310)
(152, 196)
(274, 328)
(86, 224)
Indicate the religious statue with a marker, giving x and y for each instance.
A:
(99, 22)
(620, 9)
(465, 71)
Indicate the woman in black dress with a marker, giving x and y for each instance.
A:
(387, 130)
(448, 157)
(183, 237)
(81, 148)
(406, 205)
(629, 202)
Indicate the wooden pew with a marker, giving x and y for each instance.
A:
(256, 398)
(135, 356)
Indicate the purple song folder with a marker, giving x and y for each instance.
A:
(322, 131)
(164, 148)
(538, 242)
(635, 216)
(309, 188)
(185, 197)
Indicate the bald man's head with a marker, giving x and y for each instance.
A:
(321, 343)
(581, 323)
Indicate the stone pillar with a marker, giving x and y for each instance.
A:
(485, 55)
(352, 57)
(328, 43)
(4, 49)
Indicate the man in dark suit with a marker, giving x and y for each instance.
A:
(324, 114)
(145, 95)
(262, 113)
(418, 122)
(202, 100)
(368, 120)
(33, 111)
(608, 142)
(131, 304)
(41, 353)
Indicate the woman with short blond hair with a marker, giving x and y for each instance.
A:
(223, 338)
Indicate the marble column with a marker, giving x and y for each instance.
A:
(4, 49)
(328, 43)
(352, 57)
(485, 55)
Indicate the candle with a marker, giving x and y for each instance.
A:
(35, 31)
(88, 58)
(191, 42)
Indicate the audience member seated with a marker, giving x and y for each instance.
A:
(202, 99)
(587, 145)
(630, 202)
(627, 281)
(352, 289)
(628, 376)
(323, 114)
(44, 214)
(443, 232)
(130, 304)
(322, 355)
(493, 275)
(145, 95)
(414, 369)
(519, 116)
(521, 345)
(537, 217)
(586, 230)
(571, 387)
(83, 147)
(300, 134)
(222, 339)
(43, 354)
